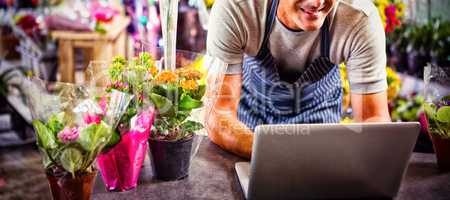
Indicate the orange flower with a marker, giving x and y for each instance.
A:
(153, 70)
(189, 73)
(188, 84)
(166, 77)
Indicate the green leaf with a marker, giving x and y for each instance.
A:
(200, 92)
(94, 135)
(443, 114)
(160, 90)
(182, 115)
(164, 105)
(188, 103)
(45, 138)
(46, 160)
(71, 159)
(430, 111)
(190, 127)
(55, 123)
(115, 138)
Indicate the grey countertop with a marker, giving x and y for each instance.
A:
(212, 176)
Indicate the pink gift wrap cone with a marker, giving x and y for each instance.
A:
(121, 165)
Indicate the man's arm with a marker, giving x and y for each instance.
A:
(223, 126)
(370, 107)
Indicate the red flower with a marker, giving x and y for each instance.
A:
(391, 18)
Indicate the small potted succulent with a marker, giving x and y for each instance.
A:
(120, 163)
(175, 95)
(71, 130)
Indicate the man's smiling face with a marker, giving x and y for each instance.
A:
(307, 15)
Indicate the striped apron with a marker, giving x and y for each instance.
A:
(316, 96)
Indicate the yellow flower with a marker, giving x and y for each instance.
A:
(345, 87)
(189, 73)
(166, 77)
(394, 83)
(189, 84)
(344, 79)
(400, 9)
(209, 3)
(346, 120)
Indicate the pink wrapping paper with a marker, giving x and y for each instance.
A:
(121, 165)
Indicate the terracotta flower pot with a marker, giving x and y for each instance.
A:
(442, 150)
(68, 188)
(170, 159)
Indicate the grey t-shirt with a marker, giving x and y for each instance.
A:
(236, 28)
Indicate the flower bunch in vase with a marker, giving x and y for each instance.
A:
(121, 162)
(71, 130)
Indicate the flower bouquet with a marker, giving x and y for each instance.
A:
(120, 164)
(175, 95)
(437, 111)
(71, 130)
(179, 99)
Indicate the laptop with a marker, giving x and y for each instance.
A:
(328, 161)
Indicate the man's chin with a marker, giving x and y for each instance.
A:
(311, 26)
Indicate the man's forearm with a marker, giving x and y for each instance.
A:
(370, 107)
(223, 126)
(230, 134)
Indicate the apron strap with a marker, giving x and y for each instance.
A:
(270, 19)
(325, 39)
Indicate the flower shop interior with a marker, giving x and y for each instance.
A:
(112, 99)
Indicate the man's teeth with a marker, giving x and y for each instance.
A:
(310, 11)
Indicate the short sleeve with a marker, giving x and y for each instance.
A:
(225, 39)
(366, 64)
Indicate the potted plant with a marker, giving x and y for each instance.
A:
(175, 95)
(120, 163)
(437, 111)
(71, 130)
(438, 116)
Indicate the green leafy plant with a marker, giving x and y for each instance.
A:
(75, 154)
(175, 95)
(72, 128)
(438, 116)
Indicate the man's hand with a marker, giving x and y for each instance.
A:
(370, 107)
(224, 128)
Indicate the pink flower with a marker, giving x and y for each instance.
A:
(125, 85)
(90, 119)
(68, 134)
(103, 103)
